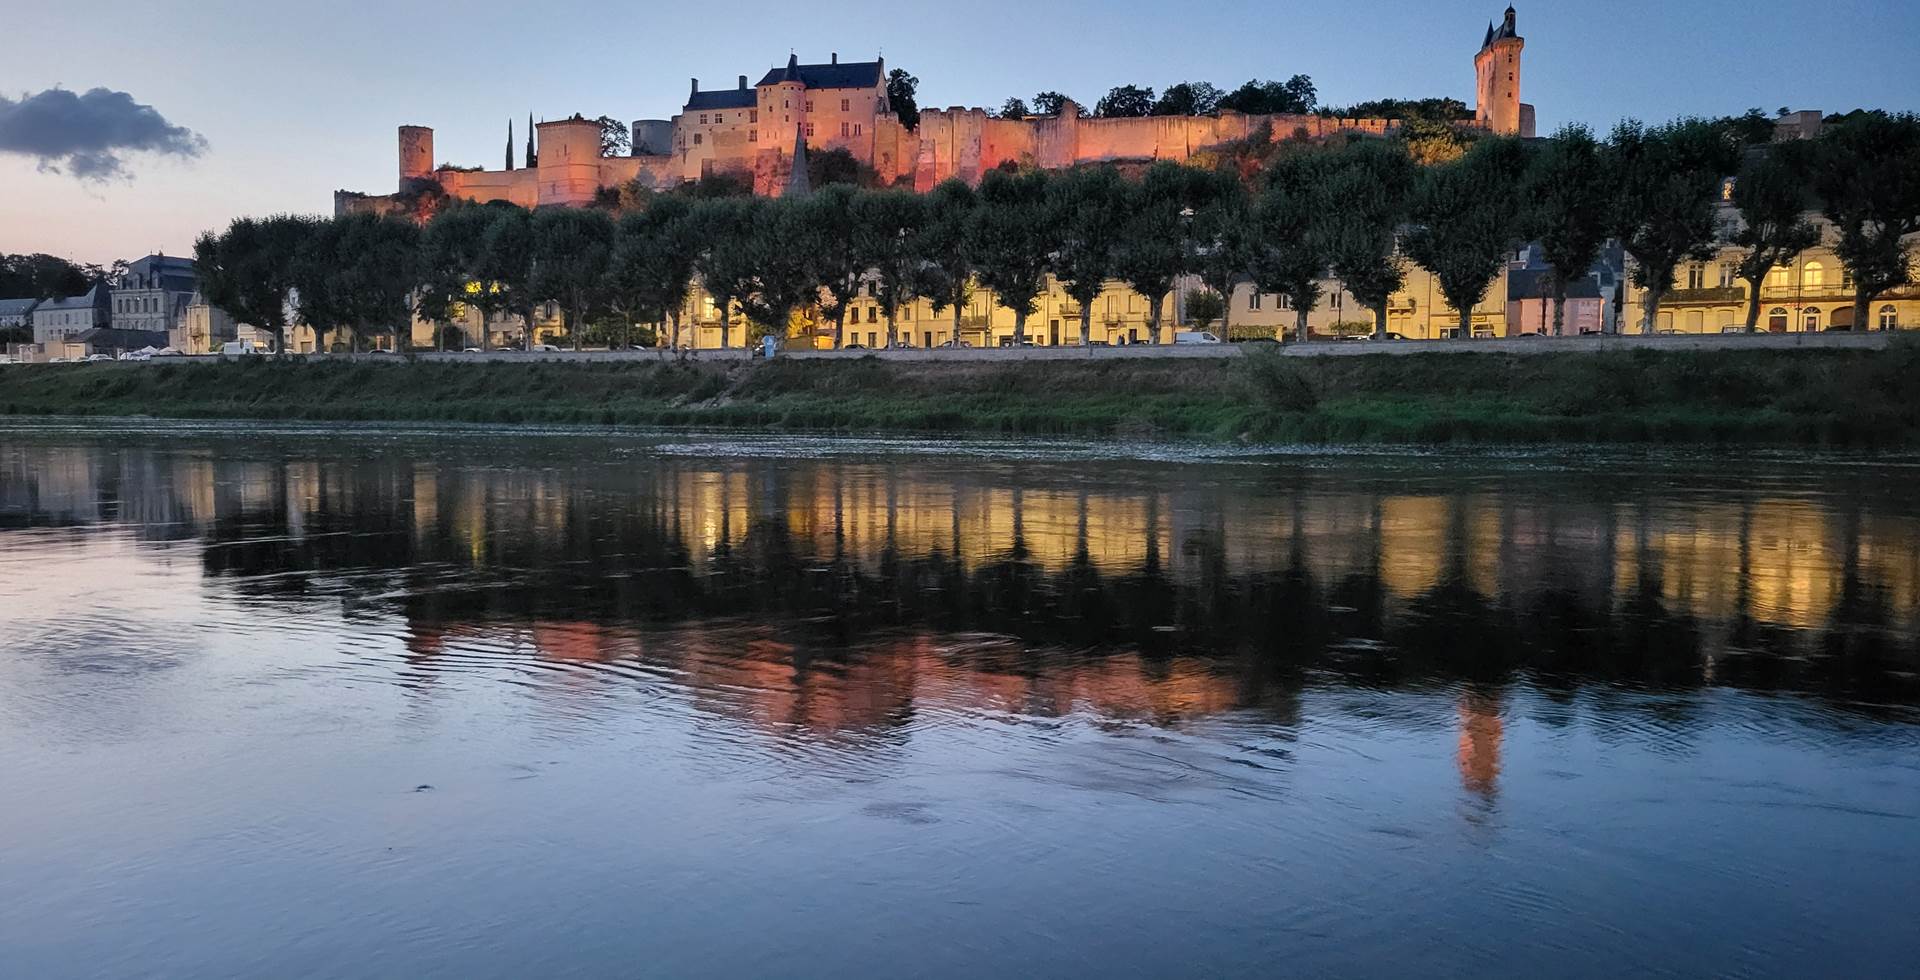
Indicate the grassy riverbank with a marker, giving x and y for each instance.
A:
(1799, 397)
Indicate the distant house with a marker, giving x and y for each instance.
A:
(57, 319)
(17, 313)
(154, 293)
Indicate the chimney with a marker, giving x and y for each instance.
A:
(696, 88)
(743, 83)
(836, 57)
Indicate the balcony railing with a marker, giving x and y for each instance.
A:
(1708, 294)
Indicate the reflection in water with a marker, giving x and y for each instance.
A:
(858, 618)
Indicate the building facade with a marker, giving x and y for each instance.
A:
(1813, 293)
(153, 293)
(751, 132)
(57, 319)
(16, 313)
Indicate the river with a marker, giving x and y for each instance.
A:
(393, 701)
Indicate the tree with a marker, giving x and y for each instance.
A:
(1125, 101)
(451, 250)
(1204, 306)
(1087, 206)
(886, 225)
(1292, 245)
(1773, 205)
(1465, 220)
(1049, 103)
(1221, 232)
(41, 276)
(1370, 185)
(508, 265)
(376, 265)
(614, 140)
(1014, 108)
(1568, 191)
(651, 268)
(1009, 240)
(571, 251)
(1866, 171)
(836, 252)
(780, 245)
(1755, 128)
(1441, 110)
(1189, 99)
(1294, 97)
(944, 272)
(838, 166)
(720, 230)
(1667, 183)
(248, 270)
(901, 88)
(1154, 248)
(317, 291)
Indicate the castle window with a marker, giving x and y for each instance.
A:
(845, 129)
(856, 129)
(703, 119)
(786, 104)
(719, 117)
(845, 105)
(809, 130)
(696, 139)
(753, 115)
(753, 136)
(809, 105)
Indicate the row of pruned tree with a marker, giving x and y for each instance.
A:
(1357, 210)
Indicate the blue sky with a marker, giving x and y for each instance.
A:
(295, 100)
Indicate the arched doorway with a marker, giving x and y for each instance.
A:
(1842, 318)
(1777, 320)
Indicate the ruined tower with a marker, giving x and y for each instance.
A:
(416, 153)
(1497, 89)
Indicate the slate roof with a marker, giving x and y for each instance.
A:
(89, 299)
(17, 307)
(840, 74)
(724, 98)
(1536, 284)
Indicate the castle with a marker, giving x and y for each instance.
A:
(754, 131)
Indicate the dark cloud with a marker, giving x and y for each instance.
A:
(89, 134)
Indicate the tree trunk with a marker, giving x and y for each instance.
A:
(1380, 320)
(1226, 313)
(1086, 324)
(573, 328)
(956, 324)
(839, 326)
(892, 328)
(1559, 306)
(1020, 325)
(1153, 318)
(1862, 299)
(1650, 310)
(1753, 305)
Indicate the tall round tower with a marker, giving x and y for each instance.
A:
(1497, 71)
(416, 153)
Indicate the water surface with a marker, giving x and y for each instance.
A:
(397, 702)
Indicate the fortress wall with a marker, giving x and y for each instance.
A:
(569, 171)
(513, 186)
(658, 171)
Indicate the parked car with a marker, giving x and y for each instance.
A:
(543, 349)
(1195, 337)
(956, 344)
(853, 347)
(1837, 328)
(471, 350)
(91, 358)
(237, 348)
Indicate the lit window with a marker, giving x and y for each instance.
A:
(1813, 276)
(1777, 277)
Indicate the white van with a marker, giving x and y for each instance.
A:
(1194, 337)
(237, 348)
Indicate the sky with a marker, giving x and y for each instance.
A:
(266, 106)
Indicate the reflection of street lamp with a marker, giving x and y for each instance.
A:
(1179, 295)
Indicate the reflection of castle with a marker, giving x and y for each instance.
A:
(753, 132)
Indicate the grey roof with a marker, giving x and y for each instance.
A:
(120, 339)
(17, 307)
(840, 74)
(93, 297)
(1538, 284)
(724, 98)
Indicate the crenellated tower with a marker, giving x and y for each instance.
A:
(416, 153)
(1497, 70)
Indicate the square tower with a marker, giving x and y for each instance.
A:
(1497, 73)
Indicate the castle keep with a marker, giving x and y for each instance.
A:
(753, 132)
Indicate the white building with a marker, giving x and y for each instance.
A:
(57, 319)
